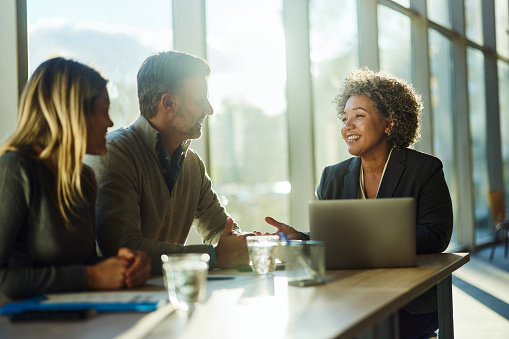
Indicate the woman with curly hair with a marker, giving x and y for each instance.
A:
(47, 234)
(380, 117)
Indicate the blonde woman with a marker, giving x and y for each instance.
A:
(47, 233)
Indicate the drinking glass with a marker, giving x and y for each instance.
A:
(262, 252)
(185, 277)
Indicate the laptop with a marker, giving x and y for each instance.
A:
(365, 233)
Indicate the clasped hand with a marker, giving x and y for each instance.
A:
(129, 268)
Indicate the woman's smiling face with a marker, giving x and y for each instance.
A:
(363, 128)
(98, 123)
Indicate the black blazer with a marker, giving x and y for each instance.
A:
(409, 173)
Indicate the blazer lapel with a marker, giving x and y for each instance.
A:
(393, 173)
(352, 179)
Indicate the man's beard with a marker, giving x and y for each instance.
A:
(193, 132)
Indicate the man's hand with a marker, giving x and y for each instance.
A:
(231, 249)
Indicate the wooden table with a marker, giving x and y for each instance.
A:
(353, 303)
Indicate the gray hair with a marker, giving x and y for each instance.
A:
(165, 72)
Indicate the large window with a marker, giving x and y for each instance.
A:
(405, 3)
(438, 11)
(477, 113)
(248, 131)
(442, 111)
(334, 52)
(395, 43)
(113, 36)
(503, 89)
(502, 27)
(473, 20)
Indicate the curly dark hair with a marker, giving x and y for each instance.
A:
(393, 97)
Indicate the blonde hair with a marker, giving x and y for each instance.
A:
(51, 117)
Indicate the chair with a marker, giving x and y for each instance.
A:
(497, 208)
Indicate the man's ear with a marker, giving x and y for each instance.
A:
(168, 103)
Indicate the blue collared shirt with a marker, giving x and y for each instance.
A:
(171, 164)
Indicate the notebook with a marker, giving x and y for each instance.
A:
(372, 233)
(70, 305)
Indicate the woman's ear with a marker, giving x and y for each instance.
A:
(389, 126)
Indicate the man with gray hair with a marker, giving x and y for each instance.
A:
(151, 186)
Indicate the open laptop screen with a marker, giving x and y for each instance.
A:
(371, 233)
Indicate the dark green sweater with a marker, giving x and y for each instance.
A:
(38, 254)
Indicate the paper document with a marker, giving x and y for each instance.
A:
(106, 297)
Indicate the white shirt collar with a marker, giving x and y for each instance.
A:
(361, 194)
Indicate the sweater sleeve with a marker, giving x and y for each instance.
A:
(211, 215)
(18, 280)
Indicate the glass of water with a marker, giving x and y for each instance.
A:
(185, 277)
(262, 252)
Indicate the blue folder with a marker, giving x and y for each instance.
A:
(35, 304)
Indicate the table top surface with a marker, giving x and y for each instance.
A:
(251, 307)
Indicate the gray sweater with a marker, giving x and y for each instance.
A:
(134, 206)
(38, 254)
